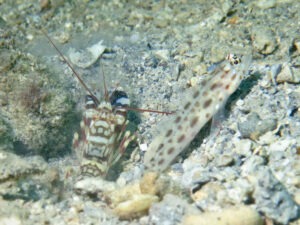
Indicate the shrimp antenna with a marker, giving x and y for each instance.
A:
(95, 99)
(104, 83)
(73, 70)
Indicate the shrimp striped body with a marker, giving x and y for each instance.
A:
(103, 138)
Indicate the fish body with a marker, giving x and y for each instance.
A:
(199, 106)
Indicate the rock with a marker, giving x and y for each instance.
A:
(153, 184)
(282, 145)
(206, 193)
(215, 18)
(123, 194)
(25, 178)
(296, 44)
(271, 197)
(252, 164)
(11, 213)
(169, 211)
(200, 69)
(297, 197)
(14, 167)
(221, 194)
(163, 54)
(85, 59)
(243, 146)
(10, 221)
(129, 202)
(162, 21)
(224, 160)
(218, 52)
(265, 4)
(137, 206)
(147, 184)
(296, 74)
(263, 40)
(287, 75)
(126, 202)
(239, 191)
(253, 127)
(45, 4)
(132, 175)
(234, 216)
(94, 185)
(192, 82)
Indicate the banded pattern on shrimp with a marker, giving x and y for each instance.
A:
(102, 139)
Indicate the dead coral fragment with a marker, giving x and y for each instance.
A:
(128, 202)
(135, 207)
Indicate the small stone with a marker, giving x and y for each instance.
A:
(224, 160)
(240, 103)
(234, 216)
(252, 164)
(169, 211)
(263, 40)
(267, 138)
(64, 37)
(296, 44)
(93, 185)
(218, 53)
(163, 55)
(147, 184)
(281, 145)
(265, 83)
(45, 4)
(297, 197)
(135, 38)
(192, 82)
(254, 126)
(243, 147)
(29, 37)
(153, 184)
(272, 73)
(296, 74)
(271, 197)
(143, 147)
(206, 192)
(137, 206)
(10, 221)
(286, 75)
(200, 69)
(85, 59)
(13, 166)
(162, 21)
(265, 4)
(68, 26)
(215, 18)
(122, 194)
(12, 212)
